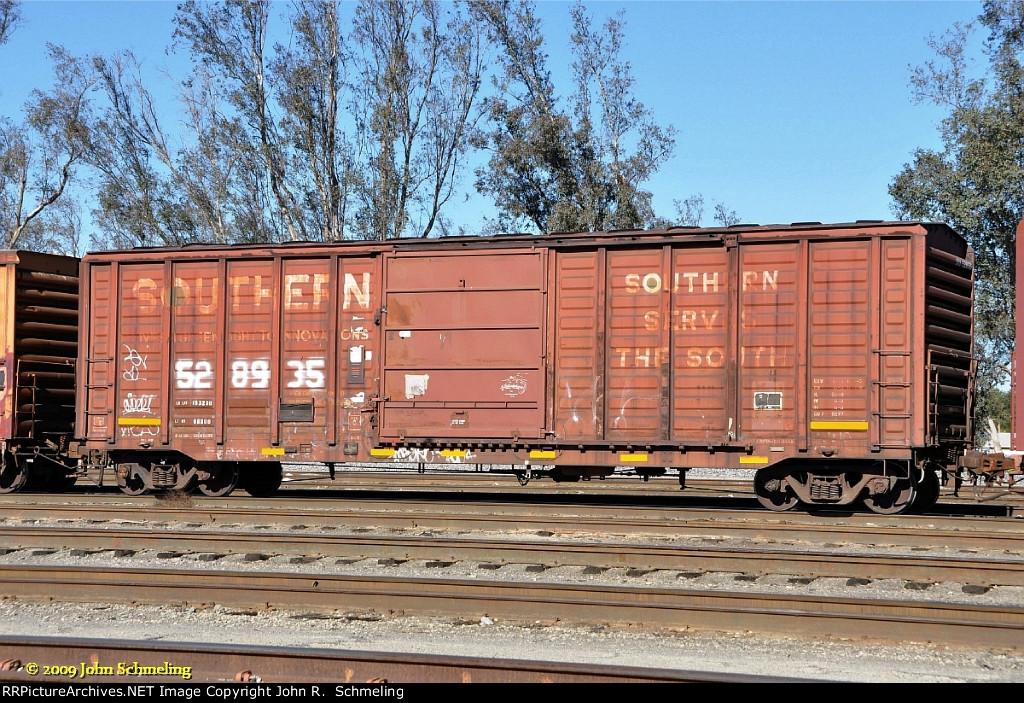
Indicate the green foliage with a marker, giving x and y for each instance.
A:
(39, 157)
(976, 182)
(354, 125)
(574, 168)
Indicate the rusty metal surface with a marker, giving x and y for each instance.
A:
(39, 334)
(479, 512)
(608, 554)
(190, 663)
(464, 346)
(803, 615)
(738, 347)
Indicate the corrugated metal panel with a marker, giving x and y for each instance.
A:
(229, 358)
(637, 356)
(139, 297)
(839, 336)
(896, 350)
(699, 319)
(770, 333)
(578, 350)
(42, 315)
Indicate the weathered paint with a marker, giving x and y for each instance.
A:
(39, 339)
(741, 346)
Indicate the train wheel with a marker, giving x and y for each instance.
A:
(928, 489)
(895, 501)
(222, 482)
(771, 492)
(129, 482)
(13, 475)
(262, 480)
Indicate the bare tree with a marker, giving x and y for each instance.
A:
(229, 39)
(414, 102)
(39, 159)
(313, 80)
(725, 216)
(580, 168)
(10, 18)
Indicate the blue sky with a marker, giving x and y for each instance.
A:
(786, 111)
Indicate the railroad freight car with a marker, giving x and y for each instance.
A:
(39, 333)
(836, 360)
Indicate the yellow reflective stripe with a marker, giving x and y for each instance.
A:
(858, 426)
(382, 452)
(272, 451)
(543, 454)
(753, 460)
(138, 421)
(454, 452)
(632, 457)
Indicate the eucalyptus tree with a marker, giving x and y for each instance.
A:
(578, 166)
(40, 156)
(415, 103)
(975, 182)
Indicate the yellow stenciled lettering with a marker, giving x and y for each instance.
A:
(302, 290)
(144, 290)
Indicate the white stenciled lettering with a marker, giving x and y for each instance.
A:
(250, 374)
(303, 291)
(352, 289)
(308, 373)
(189, 373)
(769, 280)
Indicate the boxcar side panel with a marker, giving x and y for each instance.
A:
(895, 354)
(8, 390)
(198, 366)
(464, 351)
(770, 333)
(578, 329)
(252, 364)
(700, 317)
(636, 376)
(840, 344)
(138, 411)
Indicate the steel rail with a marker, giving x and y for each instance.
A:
(996, 626)
(89, 660)
(607, 554)
(906, 531)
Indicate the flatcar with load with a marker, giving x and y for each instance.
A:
(836, 360)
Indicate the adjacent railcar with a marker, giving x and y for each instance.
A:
(39, 334)
(837, 360)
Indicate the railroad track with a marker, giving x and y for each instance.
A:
(804, 615)
(190, 664)
(546, 534)
(318, 482)
(484, 513)
(547, 553)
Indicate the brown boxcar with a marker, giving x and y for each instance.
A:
(836, 360)
(39, 333)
